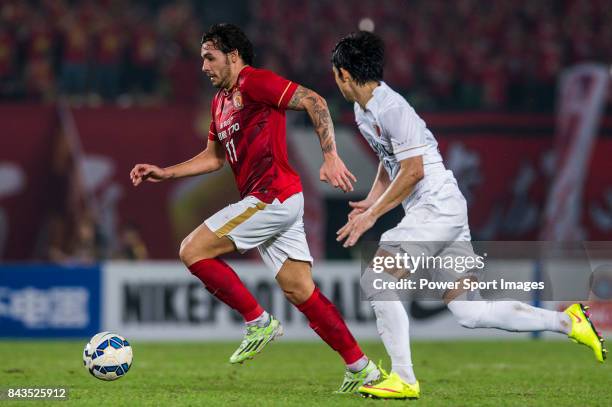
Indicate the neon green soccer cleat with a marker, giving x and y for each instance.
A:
(255, 339)
(391, 387)
(352, 381)
(584, 332)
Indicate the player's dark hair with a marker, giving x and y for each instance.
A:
(227, 38)
(362, 54)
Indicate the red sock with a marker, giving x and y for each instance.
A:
(327, 322)
(222, 282)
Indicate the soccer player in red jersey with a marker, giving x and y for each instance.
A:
(248, 130)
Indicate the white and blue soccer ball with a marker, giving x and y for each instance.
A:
(107, 356)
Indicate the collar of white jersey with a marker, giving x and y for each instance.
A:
(377, 91)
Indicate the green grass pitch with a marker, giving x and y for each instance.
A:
(452, 373)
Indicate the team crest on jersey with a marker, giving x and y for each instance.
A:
(237, 100)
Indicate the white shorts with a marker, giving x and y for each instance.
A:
(435, 217)
(438, 213)
(276, 229)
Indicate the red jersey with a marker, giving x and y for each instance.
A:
(249, 122)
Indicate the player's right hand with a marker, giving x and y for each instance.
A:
(359, 207)
(147, 172)
(334, 172)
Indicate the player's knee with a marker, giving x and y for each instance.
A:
(298, 292)
(467, 313)
(295, 279)
(467, 321)
(185, 252)
(189, 252)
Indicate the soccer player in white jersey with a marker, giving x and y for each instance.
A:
(412, 173)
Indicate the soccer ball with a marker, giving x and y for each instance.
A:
(107, 356)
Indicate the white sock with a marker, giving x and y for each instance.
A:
(359, 365)
(393, 328)
(262, 320)
(512, 316)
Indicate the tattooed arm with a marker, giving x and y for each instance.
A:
(333, 170)
(316, 107)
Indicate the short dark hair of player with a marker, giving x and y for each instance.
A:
(227, 38)
(362, 54)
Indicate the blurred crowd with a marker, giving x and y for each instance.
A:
(500, 54)
(78, 228)
(460, 54)
(95, 51)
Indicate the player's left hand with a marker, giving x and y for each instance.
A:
(355, 227)
(334, 172)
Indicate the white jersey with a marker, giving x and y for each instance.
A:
(436, 210)
(396, 132)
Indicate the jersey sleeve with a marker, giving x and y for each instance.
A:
(269, 88)
(406, 132)
(212, 130)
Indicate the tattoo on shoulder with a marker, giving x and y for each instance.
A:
(296, 102)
